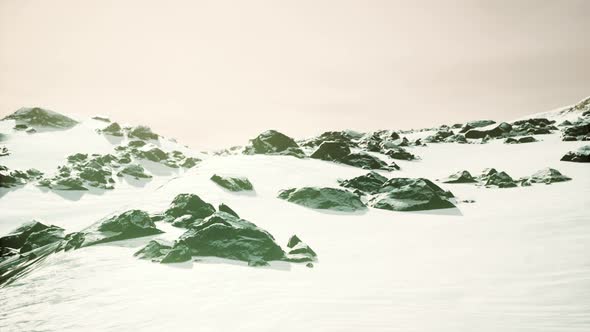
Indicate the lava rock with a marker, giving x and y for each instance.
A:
(224, 235)
(272, 142)
(233, 183)
(459, 177)
(407, 194)
(367, 183)
(582, 155)
(40, 117)
(323, 198)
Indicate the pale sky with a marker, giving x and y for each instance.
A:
(216, 73)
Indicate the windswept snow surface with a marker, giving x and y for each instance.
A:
(515, 260)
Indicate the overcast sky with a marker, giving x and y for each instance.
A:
(215, 73)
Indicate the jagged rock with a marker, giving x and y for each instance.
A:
(233, 183)
(185, 221)
(497, 131)
(526, 139)
(40, 117)
(565, 123)
(77, 158)
(135, 170)
(63, 184)
(407, 194)
(439, 136)
(9, 179)
(101, 118)
(188, 204)
(367, 161)
(459, 177)
(153, 153)
(142, 132)
(224, 208)
(500, 180)
(178, 254)
(323, 198)
(190, 162)
(367, 183)
(43, 237)
(577, 132)
(299, 251)
(273, 142)
(331, 151)
(154, 250)
(548, 175)
(458, 138)
(399, 153)
(224, 235)
(127, 225)
(136, 143)
(114, 129)
(345, 137)
(582, 155)
(17, 238)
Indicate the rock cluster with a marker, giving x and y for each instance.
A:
(39, 117)
(581, 155)
(490, 177)
(340, 152)
(13, 178)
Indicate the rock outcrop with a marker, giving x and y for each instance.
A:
(459, 177)
(272, 142)
(233, 183)
(323, 198)
(411, 194)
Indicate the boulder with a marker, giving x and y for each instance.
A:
(323, 198)
(233, 183)
(39, 117)
(500, 180)
(127, 225)
(331, 151)
(367, 183)
(101, 118)
(188, 204)
(142, 132)
(548, 175)
(14, 178)
(346, 137)
(366, 161)
(159, 251)
(226, 236)
(273, 142)
(4, 151)
(190, 162)
(153, 153)
(299, 251)
(582, 155)
(439, 136)
(459, 177)
(526, 139)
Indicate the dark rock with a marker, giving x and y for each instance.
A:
(407, 194)
(154, 250)
(400, 153)
(344, 137)
(233, 183)
(526, 139)
(273, 142)
(9, 179)
(137, 171)
(16, 239)
(154, 154)
(500, 180)
(224, 208)
(367, 161)
(77, 158)
(185, 221)
(43, 237)
(548, 175)
(439, 136)
(63, 184)
(299, 251)
(459, 177)
(331, 151)
(114, 129)
(578, 131)
(497, 131)
(190, 204)
(224, 235)
(142, 132)
(582, 155)
(323, 198)
(101, 118)
(4, 151)
(368, 183)
(127, 225)
(41, 118)
(190, 162)
(180, 253)
(136, 144)
(21, 127)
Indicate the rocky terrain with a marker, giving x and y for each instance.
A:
(400, 221)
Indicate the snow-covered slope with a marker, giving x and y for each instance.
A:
(516, 259)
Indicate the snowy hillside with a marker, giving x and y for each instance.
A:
(416, 245)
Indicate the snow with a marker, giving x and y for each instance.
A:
(515, 260)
